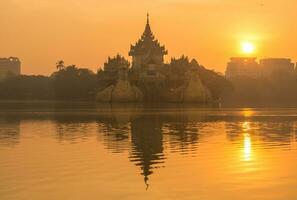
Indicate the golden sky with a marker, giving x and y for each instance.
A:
(85, 32)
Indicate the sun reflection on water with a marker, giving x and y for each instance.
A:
(246, 126)
(247, 142)
(247, 112)
(247, 147)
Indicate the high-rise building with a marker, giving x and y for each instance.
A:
(8, 66)
(276, 67)
(243, 67)
(267, 68)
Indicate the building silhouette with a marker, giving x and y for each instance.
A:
(11, 65)
(243, 67)
(147, 52)
(148, 78)
(249, 67)
(273, 67)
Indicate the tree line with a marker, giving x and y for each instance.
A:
(275, 90)
(67, 83)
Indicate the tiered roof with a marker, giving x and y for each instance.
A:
(147, 43)
(115, 63)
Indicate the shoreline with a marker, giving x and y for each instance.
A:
(157, 105)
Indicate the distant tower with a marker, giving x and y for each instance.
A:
(8, 66)
(147, 49)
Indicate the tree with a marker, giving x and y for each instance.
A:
(60, 65)
(74, 83)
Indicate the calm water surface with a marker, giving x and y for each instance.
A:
(147, 153)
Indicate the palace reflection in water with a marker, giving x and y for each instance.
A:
(143, 134)
(150, 137)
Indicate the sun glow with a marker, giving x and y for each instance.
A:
(247, 47)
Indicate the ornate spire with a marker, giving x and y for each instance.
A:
(148, 31)
(148, 18)
(147, 43)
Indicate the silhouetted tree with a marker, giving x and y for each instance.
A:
(275, 90)
(26, 87)
(60, 65)
(74, 83)
(216, 83)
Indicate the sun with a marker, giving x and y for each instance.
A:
(247, 47)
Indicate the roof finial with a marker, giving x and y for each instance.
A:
(148, 18)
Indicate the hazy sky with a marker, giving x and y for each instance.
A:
(85, 32)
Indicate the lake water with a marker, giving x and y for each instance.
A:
(147, 153)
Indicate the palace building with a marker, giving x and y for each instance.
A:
(148, 78)
(147, 50)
